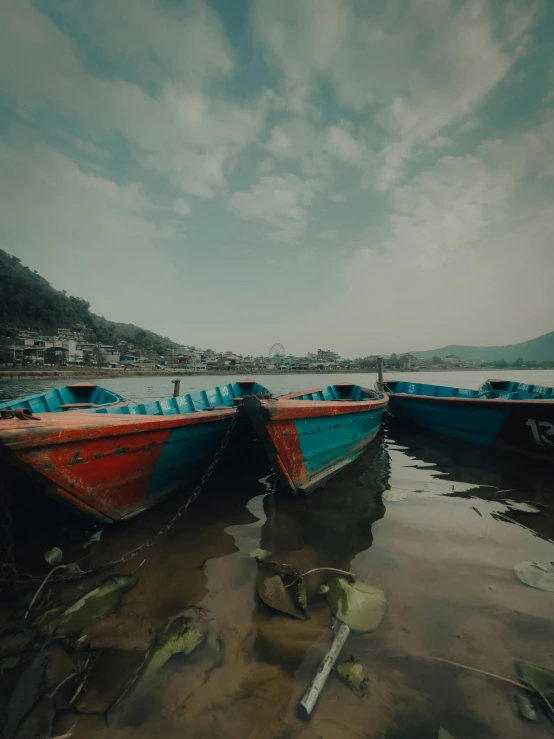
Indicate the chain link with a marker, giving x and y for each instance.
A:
(75, 572)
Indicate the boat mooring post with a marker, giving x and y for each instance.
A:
(380, 374)
(176, 388)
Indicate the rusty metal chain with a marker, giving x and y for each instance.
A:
(75, 572)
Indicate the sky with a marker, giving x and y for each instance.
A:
(367, 177)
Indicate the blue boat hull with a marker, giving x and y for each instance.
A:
(311, 436)
(329, 443)
(507, 421)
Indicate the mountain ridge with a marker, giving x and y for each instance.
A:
(539, 349)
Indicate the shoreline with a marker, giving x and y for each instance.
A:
(71, 374)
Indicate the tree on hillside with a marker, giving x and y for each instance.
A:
(368, 363)
(501, 364)
(518, 362)
(437, 360)
(99, 356)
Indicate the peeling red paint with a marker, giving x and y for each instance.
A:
(99, 463)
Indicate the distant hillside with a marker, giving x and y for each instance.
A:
(540, 349)
(28, 301)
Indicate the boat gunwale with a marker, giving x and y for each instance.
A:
(479, 402)
(287, 407)
(91, 426)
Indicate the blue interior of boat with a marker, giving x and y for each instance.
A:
(442, 391)
(79, 396)
(508, 386)
(343, 391)
(217, 397)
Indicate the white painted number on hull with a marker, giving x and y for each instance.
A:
(536, 428)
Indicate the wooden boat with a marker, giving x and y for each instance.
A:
(517, 421)
(311, 435)
(116, 463)
(79, 396)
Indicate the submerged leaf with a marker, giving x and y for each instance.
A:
(100, 602)
(182, 636)
(352, 673)
(261, 555)
(361, 607)
(272, 591)
(9, 663)
(443, 734)
(535, 575)
(395, 495)
(522, 507)
(523, 706)
(54, 556)
(15, 643)
(539, 678)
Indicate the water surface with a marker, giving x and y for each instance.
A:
(419, 516)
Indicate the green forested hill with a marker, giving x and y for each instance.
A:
(28, 301)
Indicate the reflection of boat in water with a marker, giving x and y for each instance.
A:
(329, 529)
(460, 470)
(78, 396)
(519, 420)
(311, 435)
(115, 464)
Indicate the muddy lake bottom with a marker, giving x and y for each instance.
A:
(421, 517)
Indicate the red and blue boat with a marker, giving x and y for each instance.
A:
(78, 396)
(115, 463)
(513, 416)
(311, 435)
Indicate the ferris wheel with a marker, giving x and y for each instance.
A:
(277, 350)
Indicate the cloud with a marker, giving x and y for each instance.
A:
(316, 150)
(182, 206)
(191, 139)
(460, 246)
(280, 201)
(151, 41)
(421, 66)
(84, 232)
(466, 61)
(469, 125)
(439, 142)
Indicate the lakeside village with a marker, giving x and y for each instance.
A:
(71, 349)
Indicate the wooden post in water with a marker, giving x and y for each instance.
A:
(380, 374)
(176, 388)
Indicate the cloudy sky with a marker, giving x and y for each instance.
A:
(366, 176)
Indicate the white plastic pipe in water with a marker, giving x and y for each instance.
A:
(310, 697)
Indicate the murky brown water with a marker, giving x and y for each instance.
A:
(417, 516)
